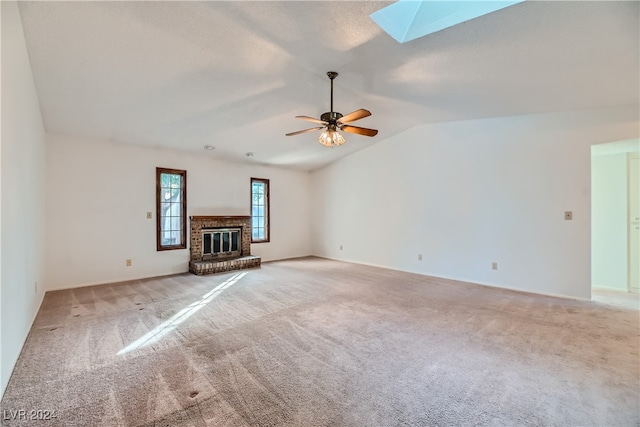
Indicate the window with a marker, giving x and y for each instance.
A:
(259, 210)
(171, 209)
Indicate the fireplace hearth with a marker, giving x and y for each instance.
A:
(221, 243)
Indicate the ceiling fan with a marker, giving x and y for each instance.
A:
(334, 121)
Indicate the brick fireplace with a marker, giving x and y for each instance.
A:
(220, 243)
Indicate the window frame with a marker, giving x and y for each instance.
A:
(267, 205)
(183, 197)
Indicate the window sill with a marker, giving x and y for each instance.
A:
(171, 248)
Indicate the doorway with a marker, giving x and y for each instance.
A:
(633, 171)
(615, 231)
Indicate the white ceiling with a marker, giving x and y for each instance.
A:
(234, 74)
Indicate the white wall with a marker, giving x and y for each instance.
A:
(22, 194)
(466, 194)
(3, 381)
(98, 194)
(609, 221)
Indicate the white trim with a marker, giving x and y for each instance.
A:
(490, 285)
(630, 156)
(24, 341)
(289, 258)
(113, 282)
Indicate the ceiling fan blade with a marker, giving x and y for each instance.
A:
(304, 131)
(311, 119)
(356, 115)
(359, 130)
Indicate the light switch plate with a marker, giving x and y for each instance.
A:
(148, 215)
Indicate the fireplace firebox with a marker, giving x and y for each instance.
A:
(219, 243)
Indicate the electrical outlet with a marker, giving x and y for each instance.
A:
(340, 247)
(128, 262)
(419, 257)
(568, 215)
(149, 215)
(494, 265)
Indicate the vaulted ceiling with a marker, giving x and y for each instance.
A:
(234, 74)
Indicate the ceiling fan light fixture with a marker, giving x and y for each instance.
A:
(331, 138)
(332, 121)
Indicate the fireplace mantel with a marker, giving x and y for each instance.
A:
(199, 264)
(214, 218)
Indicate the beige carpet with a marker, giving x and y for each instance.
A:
(314, 342)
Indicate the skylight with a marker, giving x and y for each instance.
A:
(407, 20)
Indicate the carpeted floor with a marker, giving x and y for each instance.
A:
(313, 342)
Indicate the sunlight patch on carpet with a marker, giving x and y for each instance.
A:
(170, 324)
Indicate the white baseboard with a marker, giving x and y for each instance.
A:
(490, 285)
